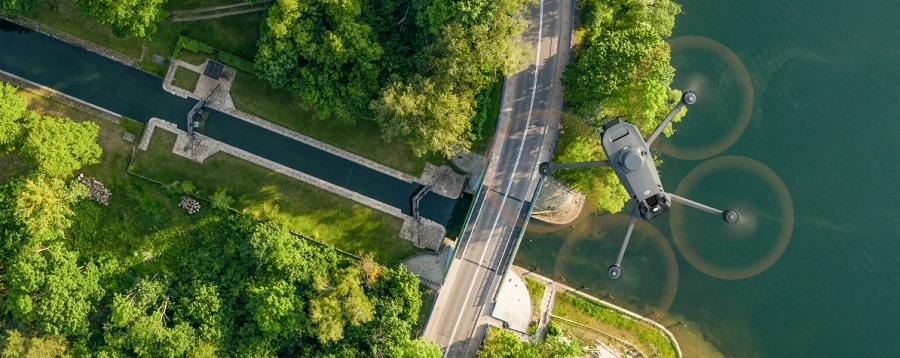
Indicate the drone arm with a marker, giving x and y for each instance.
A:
(687, 98)
(695, 204)
(580, 165)
(546, 167)
(615, 269)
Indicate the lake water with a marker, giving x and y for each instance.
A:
(797, 127)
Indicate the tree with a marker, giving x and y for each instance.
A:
(221, 200)
(49, 288)
(322, 50)
(16, 7)
(277, 309)
(138, 323)
(426, 117)
(58, 146)
(13, 108)
(340, 302)
(43, 205)
(17, 345)
(126, 17)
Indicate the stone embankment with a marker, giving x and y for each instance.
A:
(558, 203)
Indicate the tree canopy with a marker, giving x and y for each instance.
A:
(126, 17)
(58, 146)
(414, 66)
(620, 70)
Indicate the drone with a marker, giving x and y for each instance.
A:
(629, 156)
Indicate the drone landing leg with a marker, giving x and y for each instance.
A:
(730, 216)
(615, 270)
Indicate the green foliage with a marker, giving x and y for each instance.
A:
(221, 200)
(620, 70)
(233, 60)
(51, 290)
(607, 315)
(428, 117)
(13, 108)
(192, 45)
(419, 76)
(16, 7)
(324, 51)
(42, 206)
(17, 345)
(126, 17)
(501, 343)
(58, 146)
(580, 143)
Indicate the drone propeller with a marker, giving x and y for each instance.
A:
(718, 76)
(652, 275)
(756, 240)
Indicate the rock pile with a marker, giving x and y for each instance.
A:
(189, 204)
(97, 191)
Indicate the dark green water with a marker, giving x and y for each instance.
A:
(824, 119)
(139, 95)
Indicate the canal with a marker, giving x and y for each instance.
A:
(139, 95)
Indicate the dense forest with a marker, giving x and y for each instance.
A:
(417, 67)
(620, 69)
(220, 284)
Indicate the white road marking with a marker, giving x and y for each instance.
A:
(537, 59)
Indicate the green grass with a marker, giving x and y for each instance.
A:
(193, 57)
(236, 34)
(605, 319)
(257, 97)
(185, 79)
(428, 298)
(265, 194)
(536, 292)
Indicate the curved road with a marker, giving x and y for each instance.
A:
(526, 132)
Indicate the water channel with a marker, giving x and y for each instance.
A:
(797, 126)
(140, 96)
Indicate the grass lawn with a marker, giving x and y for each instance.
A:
(593, 314)
(185, 79)
(257, 97)
(303, 208)
(536, 292)
(236, 34)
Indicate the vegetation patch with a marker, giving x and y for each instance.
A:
(141, 278)
(268, 195)
(599, 317)
(502, 343)
(185, 79)
(536, 292)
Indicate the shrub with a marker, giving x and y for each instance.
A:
(192, 45)
(233, 60)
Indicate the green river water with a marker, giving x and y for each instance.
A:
(796, 125)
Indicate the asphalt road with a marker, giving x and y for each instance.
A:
(527, 130)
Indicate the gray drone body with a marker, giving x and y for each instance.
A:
(629, 156)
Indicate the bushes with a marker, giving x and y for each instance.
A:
(227, 58)
(192, 45)
(233, 60)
